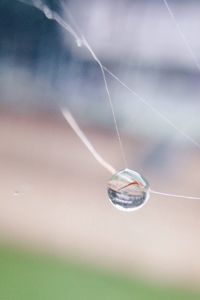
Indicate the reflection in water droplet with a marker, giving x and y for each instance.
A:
(128, 190)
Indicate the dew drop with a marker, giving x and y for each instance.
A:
(128, 190)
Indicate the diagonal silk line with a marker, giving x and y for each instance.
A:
(50, 14)
(182, 35)
(174, 195)
(69, 118)
(71, 121)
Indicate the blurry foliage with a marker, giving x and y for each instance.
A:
(25, 276)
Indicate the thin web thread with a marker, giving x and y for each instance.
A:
(82, 41)
(155, 110)
(69, 118)
(182, 35)
(50, 14)
(138, 96)
(173, 195)
(53, 15)
(86, 44)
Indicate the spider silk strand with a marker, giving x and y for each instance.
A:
(81, 40)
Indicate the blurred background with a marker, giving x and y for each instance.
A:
(60, 237)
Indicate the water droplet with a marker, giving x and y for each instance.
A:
(128, 190)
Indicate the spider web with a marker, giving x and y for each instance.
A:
(74, 30)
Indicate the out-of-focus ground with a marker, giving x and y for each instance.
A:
(27, 276)
(53, 198)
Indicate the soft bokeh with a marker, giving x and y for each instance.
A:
(53, 198)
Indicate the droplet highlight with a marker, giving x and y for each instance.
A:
(128, 190)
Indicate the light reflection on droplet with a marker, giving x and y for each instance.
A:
(128, 190)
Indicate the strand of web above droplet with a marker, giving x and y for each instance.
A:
(82, 41)
(68, 116)
(72, 122)
(105, 164)
(182, 34)
(197, 64)
(50, 14)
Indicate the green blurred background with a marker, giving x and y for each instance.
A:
(26, 276)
